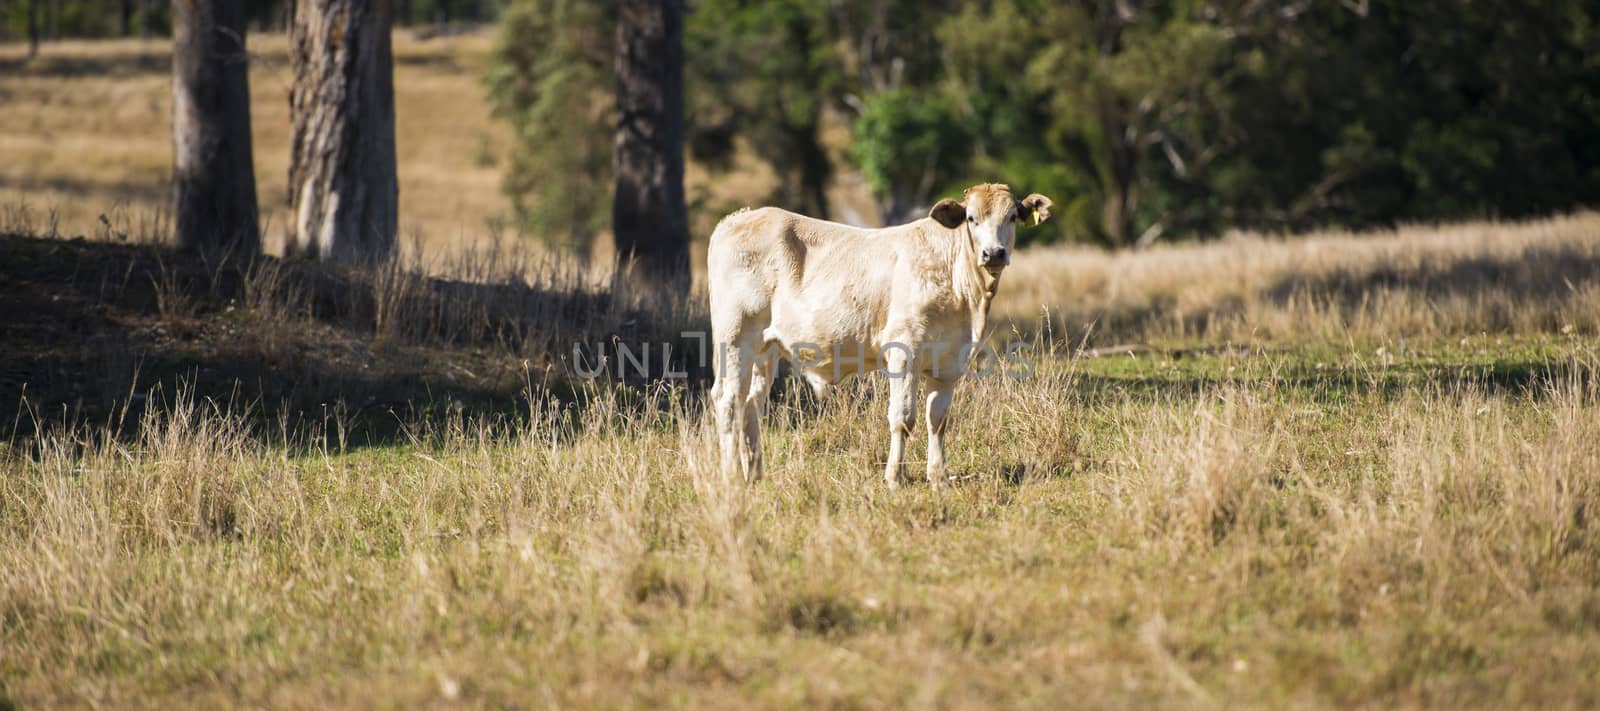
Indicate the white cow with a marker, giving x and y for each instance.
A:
(838, 300)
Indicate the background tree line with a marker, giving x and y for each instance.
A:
(57, 19)
(1146, 118)
(343, 191)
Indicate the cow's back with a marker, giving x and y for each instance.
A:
(800, 279)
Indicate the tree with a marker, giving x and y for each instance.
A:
(1093, 100)
(649, 218)
(1148, 118)
(146, 18)
(1383, 111)
(213, 172)
(343, 191)
(558, 94)
(32, 11)
(908, 145)
(766, 71)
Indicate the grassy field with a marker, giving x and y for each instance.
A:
(1341, 470)
(1323, 471)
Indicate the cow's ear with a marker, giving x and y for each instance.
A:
(1034, 210)
(948, 213)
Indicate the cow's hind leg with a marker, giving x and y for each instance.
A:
(734, 362)
(939, 395)
(902, 411)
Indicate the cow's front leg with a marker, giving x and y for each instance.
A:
(902, 411)
(939, 395)
(729, 397)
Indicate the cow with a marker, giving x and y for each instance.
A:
(838, 300)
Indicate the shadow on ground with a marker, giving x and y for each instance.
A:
(88, 327)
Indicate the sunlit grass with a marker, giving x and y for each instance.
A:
(1227, 533)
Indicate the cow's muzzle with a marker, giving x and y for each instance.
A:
(995, 258)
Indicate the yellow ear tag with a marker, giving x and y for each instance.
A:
(1030, 218)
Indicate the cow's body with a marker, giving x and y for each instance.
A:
(839, 300)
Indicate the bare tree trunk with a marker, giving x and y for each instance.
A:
(815, 169)
(648, 215)
(144, 19)
(343, 193)
(1121, 201)
(33, 28)
(214, 170)
(125, 25)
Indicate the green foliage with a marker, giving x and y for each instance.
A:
(549, 79)
(1186, 118)
(1143, 119)
(82, 18)
(1412, 111)
(1093, 99)
(906, 142)
(764, 70)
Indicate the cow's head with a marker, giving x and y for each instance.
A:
(991, 216)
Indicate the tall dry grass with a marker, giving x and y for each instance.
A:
(1292, 523)
(1245, 544)
(1539, 276)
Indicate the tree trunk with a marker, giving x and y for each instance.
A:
(815, 169)
(125, 25)
(648, 216)
(344, 197)
(144, 19)
(1120, 189)
(33, 28)
(805, 185)
(213, 168)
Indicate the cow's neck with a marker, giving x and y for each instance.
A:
(973, 285)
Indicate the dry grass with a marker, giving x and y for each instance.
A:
(1335, 470)
(1416, 282)
(1302, 513)
(1233, 546)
